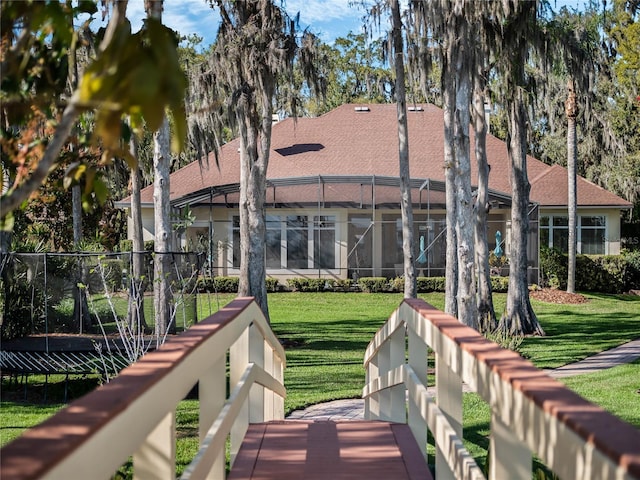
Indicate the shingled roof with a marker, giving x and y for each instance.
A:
(363, 140)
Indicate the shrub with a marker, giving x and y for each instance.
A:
(594, 273)
(342, 284)
(218, 284)
(633, 268)
(309, 284)
(396, 284)
(430, 284)
(553, 268)
(499, 284)
(373, 284)
(272, 285)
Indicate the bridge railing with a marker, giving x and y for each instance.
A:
(530, 411)
(135, 414)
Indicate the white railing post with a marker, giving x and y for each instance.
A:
(449, 400)
(256, 355)
(418, 351)
(371, 401)
(509, 457)
(395, 406)
(156, 456)
(278, 374)
(238, 360)
(211, 398)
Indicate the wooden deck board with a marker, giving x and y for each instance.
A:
(346, 450)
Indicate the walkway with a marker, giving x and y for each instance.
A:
(353, 409)
(292, 450)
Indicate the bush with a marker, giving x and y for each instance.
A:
(373, 284)
(396, 284)
(310, 284)
(272, 285)
(342, 284)
(633, 268)
(430, 284)
(553, 268)
(218, 284)
(594, 273)
(127, 245)
(499, 284)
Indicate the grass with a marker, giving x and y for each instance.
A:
(574, 332)
(325, 336)
(616, 390)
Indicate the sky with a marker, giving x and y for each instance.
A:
(328, 19)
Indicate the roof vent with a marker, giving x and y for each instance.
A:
(415, 109)
(361, 109)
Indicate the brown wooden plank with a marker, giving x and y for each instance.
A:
(248, 454)
(414, 460)
(347, 450)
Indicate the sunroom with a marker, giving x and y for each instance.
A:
(337, 227)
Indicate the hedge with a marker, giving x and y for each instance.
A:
(594, 273)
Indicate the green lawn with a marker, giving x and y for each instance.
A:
(325, 335)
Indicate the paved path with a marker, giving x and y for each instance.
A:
(353, 409)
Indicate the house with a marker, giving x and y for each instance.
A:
(333, 201)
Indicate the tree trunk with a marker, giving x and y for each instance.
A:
(76, 209)
(137, 284)
(519, 317)
(162, 241)
(403, 156)
(162, 214)
(81, 305)
(451, 273)
(460, 62)
(253, 171)
(571, 110)
(486, 314)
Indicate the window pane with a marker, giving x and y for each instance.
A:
(324, 241)
(324, 237)
(560, 221)
(273, 250)
(236, 241)
(597, 221)
(544, 237)
(544, 221)
(297, 242)
(593, 241)
(561, 239)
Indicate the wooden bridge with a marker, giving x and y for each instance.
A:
(134, 415)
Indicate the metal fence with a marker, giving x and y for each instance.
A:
(75, 292)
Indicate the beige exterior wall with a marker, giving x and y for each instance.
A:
(612, 230)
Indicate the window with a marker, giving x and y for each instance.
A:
(554, 233)
(273, 242)
(324, 241)
(294, 242)
(297, 242)
(592, 235)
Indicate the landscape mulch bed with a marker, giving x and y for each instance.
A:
(551, 295)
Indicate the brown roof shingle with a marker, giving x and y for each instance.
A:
(346, 141)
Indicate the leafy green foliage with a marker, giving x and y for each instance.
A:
(373, 284)
(136, 75)
(300, 284)
(430, 284)
(218, 284)
(594, 273)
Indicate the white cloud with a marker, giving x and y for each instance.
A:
(317, 11)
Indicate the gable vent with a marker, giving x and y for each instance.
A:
(361, 109)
